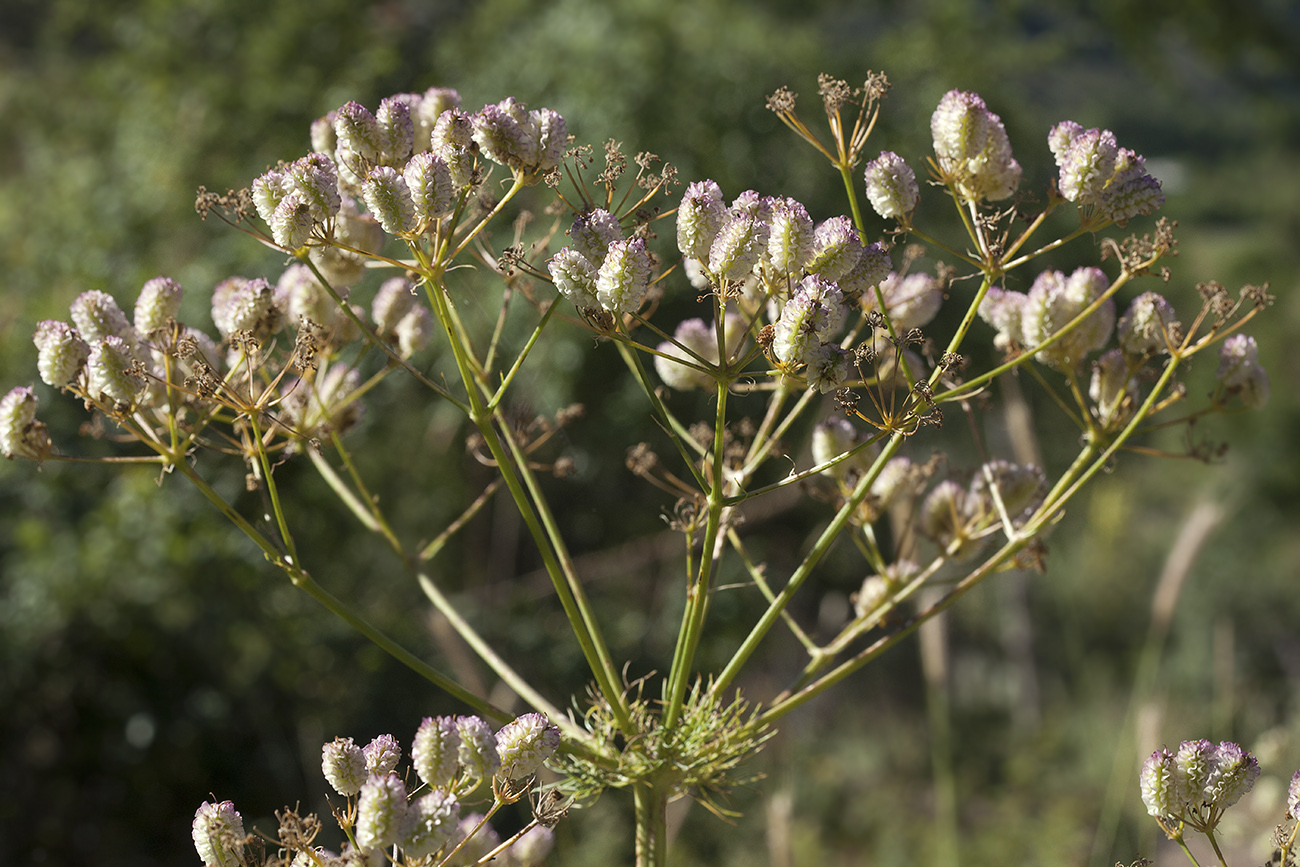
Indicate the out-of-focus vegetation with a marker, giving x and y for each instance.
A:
(150, 657)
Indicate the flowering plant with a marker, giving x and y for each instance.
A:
(810, 330)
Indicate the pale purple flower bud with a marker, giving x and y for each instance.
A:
(790, 239)
(97, 316)
(268, 191)
(431, 821)
(873, 266)
(1192, 766)
(700, 339)
(388, 198)
(435, 752)
(1113, 390)
(426, 111)
(1132, 191)
(943, 514)
(593, 232)
(315, 408)
(1144, 326)
(574, 277)
(1293, 797)
(552, 138)
(960, 129)
(394, 300)
(21, 435)
(812, 316)
(994, 172)
(624, 276)
(316, 180)
(344, 765)
(750, 202)
(695, 274)
(414, 331)
(340, 267)
(1054, 300)
(507, 135)
(1004, 310)
(897, 477)
(1021, 489)
(910, 302)
(396, 129)
(1087, 165)
(239, 304)
(292, 222)
(873, 593)
(738, 246)
(524, 744)
(477, 847)
(159, 300)
(1232, 775)
(301, 296)
(478, 748)
(828, 366)
(1061, 137)
(836, 248)
(531, 849)
(359, 133)
(891, 186)
(832, 438)
(699, 218)
(429, 181)
(218, 834)
(323, 138)
(110, 366)
(61, 353)
(1157, 783)
(381, 812)
(1240, 372)
(452, 137)
(382, 755)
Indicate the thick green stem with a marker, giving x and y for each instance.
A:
(651, 826)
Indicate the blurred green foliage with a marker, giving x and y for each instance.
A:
(151, 657)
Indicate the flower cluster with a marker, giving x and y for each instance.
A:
(1196, 783)
(1095, 172)
(972, 148)
(602, 270)
(452, 756)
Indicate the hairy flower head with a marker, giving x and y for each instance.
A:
(218, 833)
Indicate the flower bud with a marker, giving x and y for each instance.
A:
(61, 353)
(738, 245)
(160, 300)
(382, 755)
(1113, 390)
(394, 300)
(341, 267)
(1004, 310)
(323, 138)
(624, 276)
(552, 138)
(1054, 301)
(994, 172)
(699, 218)
(1158, 787)
(699, 338)
(507, 135)
(873, 266)
(429, 181)
(1232, 775)
(832, 438)
(593, 232)
(21, 435)
(828, 366)
(314, 408)
(1192, 765)
(452, 138)
(291, 223)
(381, 812)
(531, 849)
(836, 249)
(960, 129)
(574, 277)
(344, 765)
(1293, 797)
(1143, 328)
(1087, 165)
(218, 833)
(476, 848)
(812, 316)
(898, 477)
(478, 748)
(435, 752)
(97, 316)
(301, 296)
(891, 186)
(388, 198)
(431, 821)
(426, 111)
(111, 374)
(1021, 489)
(414, 331)
(239, 304)
(396, 130)
(524, 744)
(910, 302)
(790, 240)
(268, 191)
(359, 134)
(1240, 372)
(1132, 191)
(1061, 137)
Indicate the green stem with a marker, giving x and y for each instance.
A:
(651, 826)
